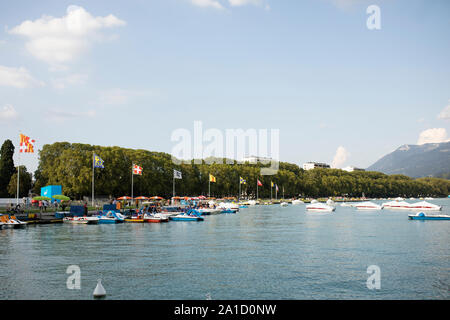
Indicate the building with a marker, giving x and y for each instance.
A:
(351, 169)
(314, 165)
(255, 160)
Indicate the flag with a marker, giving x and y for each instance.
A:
(177, 174)
(26, 145)
(242, 181)
(259, 183)
(137, 170)
(276, 186)
(271, 184)
(212, 178)
(98, 162)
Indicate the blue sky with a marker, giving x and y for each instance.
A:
(134, 71)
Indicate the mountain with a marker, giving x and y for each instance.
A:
(431, 159)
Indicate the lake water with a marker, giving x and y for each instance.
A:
(263, 252)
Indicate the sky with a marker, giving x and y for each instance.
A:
(130, 73)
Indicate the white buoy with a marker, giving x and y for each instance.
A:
(99, 291)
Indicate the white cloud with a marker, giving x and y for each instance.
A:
(445, 114)
(70, 80)
(238, 3)
(17, 77)
(61, 115)
(207, 3)
(434, 135)
(8, 113)
(60, 40)
(340, 157)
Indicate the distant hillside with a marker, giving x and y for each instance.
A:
(431, 159)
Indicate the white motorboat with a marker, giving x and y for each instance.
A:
(155, 218)
(229, 205)
(314, 201)
(368, 206)
(319, 207)
(425, 206)
(284, 204)
(81, 220)
(252, 202)
(331, 203)
(397, 205)
(297, 202)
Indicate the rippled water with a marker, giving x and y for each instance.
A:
(263, 252)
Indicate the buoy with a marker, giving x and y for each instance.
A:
(99, 291)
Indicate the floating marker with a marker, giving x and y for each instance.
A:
(99, 291)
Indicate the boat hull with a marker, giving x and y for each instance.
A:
(429, 218)
(177, 218)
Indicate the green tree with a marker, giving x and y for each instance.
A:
(7, 168)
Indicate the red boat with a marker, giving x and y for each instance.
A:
(155, 218)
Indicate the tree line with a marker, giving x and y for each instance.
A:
(70, 165)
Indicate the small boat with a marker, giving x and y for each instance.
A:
(368, 206)
(297, 202)
(424, 216)
(314, 201)
(243, 207)
(229, 205)
(284, 204)
(253, 202)
(396, 205)
(11, 222)
(320, 207)
(135, 219)
(191, 215)
(111, 217)
(155, 218)
(81, 220)
(331, 203)
(425, 206)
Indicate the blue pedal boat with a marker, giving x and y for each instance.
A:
(191, 215)
(423, 216)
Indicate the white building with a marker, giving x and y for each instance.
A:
(313, 165)
(351, 169)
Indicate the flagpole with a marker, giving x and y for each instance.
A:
(93, 176)
(239, 198)
(18, 178)
(271, 191)
(173, 186)
(132, 180)
(209, 186)
(256, 189)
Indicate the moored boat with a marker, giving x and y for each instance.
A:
(111, 217)
(425, 206)
(81, 220)
(11, 222)
(284, 204)
(319, 207)
(155, 218)
(297, 202)
(397, 205)
(191, 215)
(424, 216)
